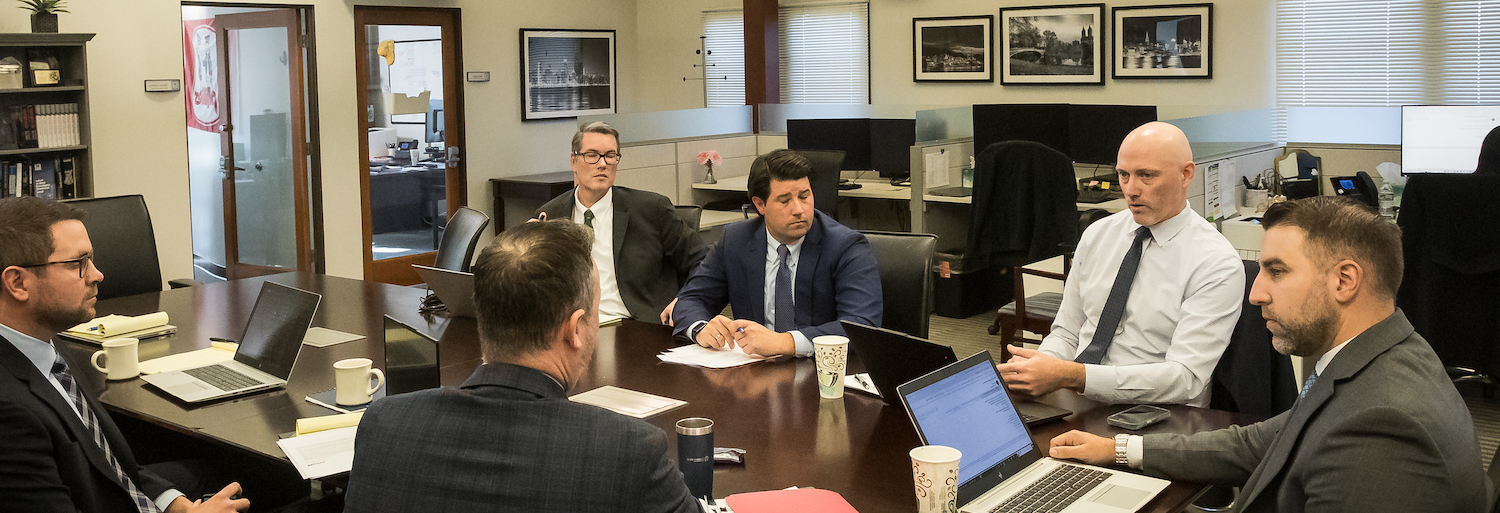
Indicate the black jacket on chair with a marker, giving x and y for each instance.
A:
(1252, 377)
(1024, 205)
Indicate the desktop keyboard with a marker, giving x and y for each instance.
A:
(1053, 492)
(222, 377)
(1095, 196)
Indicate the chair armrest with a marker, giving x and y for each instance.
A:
(181, 283)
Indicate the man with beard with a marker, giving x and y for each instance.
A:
(509, 439)
(1378, 427)
(61, 451)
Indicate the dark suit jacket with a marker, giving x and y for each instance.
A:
(837, 278)
(509, 440)
(1382, 429)
(655, 252)
(48, 460)
(1024, 204)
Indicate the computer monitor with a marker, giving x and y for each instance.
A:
(1444, 138)
(1046, 123)
(852, 136)
(890, 146)
(434, 121)
(1096, 131)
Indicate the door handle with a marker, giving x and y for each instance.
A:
(226, 169)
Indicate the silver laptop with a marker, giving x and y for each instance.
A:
(965, 406)
(456, 289)
(268, 349)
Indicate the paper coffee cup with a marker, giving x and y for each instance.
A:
(831, 353)
(934, 471)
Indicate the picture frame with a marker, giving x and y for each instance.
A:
(953, 49)
(567, 73)
(1053, 44)
(1163, 41)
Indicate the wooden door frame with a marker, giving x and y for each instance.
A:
(455, 179)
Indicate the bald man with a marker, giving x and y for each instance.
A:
(1153, 295)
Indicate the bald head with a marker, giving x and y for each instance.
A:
(1155, 167)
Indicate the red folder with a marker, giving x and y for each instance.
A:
(790, 501)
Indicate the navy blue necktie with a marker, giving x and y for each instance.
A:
(1114, 307)
(65, 378)
(786, 317)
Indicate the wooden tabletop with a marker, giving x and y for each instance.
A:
(856, 445)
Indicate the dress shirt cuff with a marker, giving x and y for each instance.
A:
(1135, 449)
(692, 331)
(1100, 381)
(804, 346)
(166, 498)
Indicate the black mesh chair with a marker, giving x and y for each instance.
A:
(692, 215)
(124, 244)
(456, 249)
(906, 261)
(826, 165)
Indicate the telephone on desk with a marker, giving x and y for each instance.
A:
(846, 184)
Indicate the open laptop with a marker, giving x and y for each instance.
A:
(892, 358)
(965, 406)
(411, 359)
(456, 289)
(268, 349)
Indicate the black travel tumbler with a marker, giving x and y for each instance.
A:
(695, 455)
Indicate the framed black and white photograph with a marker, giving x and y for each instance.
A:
(1056, 44)
(567, 73)
(1163, 41)
(953, 49)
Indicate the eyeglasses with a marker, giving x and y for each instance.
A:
(82, 262)
(592, 157)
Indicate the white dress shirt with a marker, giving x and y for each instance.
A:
(1182, 308)
(773, 264)
(611, 305)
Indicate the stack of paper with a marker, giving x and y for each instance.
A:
(321, 454)
(118, 326)
(712, 358)
(627, 402)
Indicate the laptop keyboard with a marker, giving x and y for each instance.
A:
(1054, 491)
(222, 377)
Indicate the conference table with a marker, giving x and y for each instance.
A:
(856, 445)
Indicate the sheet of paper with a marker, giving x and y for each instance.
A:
(627, 402)
(115, 325)
(862, 383)
(188, 360)
(324, 337)
(704, 357)
(1212, 191)
(321, 454)
(935, 165)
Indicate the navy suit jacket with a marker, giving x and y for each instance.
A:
(837, 278)
(509, 439)
(654, 250)
(48, 460)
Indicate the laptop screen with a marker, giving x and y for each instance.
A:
(278, 323)
(970, 411)
(411, 359)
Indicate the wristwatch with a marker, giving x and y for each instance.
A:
(1121, 441)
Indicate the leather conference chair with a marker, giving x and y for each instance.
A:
(1036, 312)
(124, 245)
(692, 215)
(906, 261)
(460, 238)
(826, 165)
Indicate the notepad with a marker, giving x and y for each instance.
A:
(120, 326)
(627, 402)
(700, 356)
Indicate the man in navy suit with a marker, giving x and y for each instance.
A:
(509, 439)
(790, 275)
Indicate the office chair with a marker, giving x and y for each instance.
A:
(1489, 154)
(1494, 474)
(906, 261)
(826, 165)
(456, 249)
(124, 245)
(1036, 313)
(692, 215)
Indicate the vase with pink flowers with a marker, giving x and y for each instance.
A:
(709, 158)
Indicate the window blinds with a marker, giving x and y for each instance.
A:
(724, 84)
(824, 53)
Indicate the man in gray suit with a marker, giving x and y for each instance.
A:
(643, 251)
(1379, 426)
(509, 439)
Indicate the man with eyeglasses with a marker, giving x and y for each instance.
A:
(62, 452)
(643, 251)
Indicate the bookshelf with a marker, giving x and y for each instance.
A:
(58, 115)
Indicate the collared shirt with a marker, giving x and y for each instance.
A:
(1182, 308)
(773, 265)
(611, 305)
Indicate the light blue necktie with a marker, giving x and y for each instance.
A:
(1311, 378)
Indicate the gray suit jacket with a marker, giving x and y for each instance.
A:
(1382, 429)
(509, 440)
(655, 252)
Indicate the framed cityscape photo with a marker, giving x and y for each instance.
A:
(1163, 41)
(567, 73)
(953, 49)
(1057, 44)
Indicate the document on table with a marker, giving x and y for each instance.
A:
(694, 354)
(627, 402)
(321, 454)
(324, 337)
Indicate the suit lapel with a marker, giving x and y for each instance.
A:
(19, 366)
(755, 273)
(621, 222)
(807, 266)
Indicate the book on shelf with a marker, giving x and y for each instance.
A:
(40, 126)
(44, 178)
(67, 178)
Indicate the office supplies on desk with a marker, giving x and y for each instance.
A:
(140, 327)
(696, 355)
(411, 364)
(324, 337)
(268, 350)
(965, 406)
(627, 402)
(327, 422)
(321, 454)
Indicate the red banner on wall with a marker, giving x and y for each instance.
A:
(201, 74)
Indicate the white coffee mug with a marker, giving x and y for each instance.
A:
(352, 376)
(831, 353)
(934, 471)
(122, 356)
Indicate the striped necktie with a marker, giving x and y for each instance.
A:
(1114, 305)
(63, 377)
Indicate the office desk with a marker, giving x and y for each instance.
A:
(526, 193)
(856, 445)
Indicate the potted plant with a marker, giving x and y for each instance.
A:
(43, 14)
